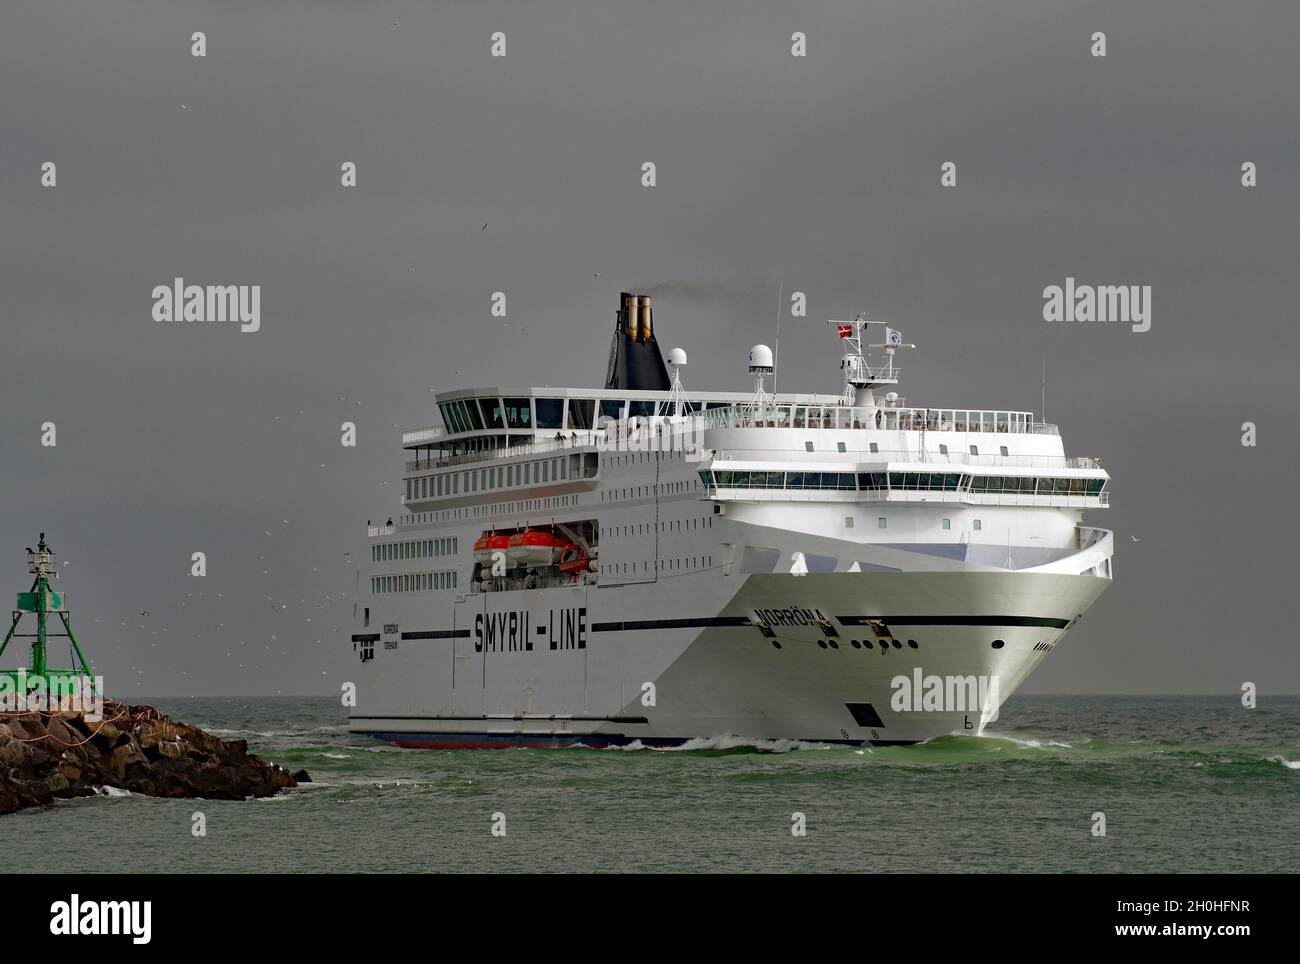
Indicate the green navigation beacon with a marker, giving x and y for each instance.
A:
(41, 601)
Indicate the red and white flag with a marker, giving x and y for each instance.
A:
(846, 331)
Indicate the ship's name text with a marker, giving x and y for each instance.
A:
(513, 631)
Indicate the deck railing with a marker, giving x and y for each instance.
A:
(884, 418)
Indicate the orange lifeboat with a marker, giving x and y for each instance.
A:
(489, 543)
(534, 547)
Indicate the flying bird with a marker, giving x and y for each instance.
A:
(485, 224)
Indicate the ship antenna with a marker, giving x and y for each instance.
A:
(678, 402)
(859, 376)
(776, 354)
(1044, 408)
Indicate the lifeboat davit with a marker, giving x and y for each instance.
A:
(535, 547)
(573, 560)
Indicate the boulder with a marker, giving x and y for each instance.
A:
(59, 755)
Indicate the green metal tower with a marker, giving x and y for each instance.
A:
(41, 601)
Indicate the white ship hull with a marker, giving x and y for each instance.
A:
(564, 666)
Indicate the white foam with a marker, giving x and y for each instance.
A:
(1031, 744)
(1289, 764)
(113, 792)
(729, 741)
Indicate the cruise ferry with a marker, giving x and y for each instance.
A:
(642, 564)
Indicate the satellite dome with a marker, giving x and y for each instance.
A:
(891, 397)
(677, 356)
(760, 356)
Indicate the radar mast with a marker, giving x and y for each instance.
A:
(860, 377)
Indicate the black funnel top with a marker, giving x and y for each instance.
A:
(634, 359)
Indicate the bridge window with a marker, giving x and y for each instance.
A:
(491, 409)
(459, 421)
(611, 408)
(550, 412)
(581, 412)
(519, 413)
(641, 407)
(475, 417)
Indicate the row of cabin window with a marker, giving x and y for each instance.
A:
(905, 481)
(413, 582)
(478, 480)
(486, 414)
(875, 448)
(525, 505)
(644, 528)
(644, 491)
(421, 549)
(883, 523)
(696, 562)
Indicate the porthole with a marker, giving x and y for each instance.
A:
(776, 644)
(834, 645)
(912, 643)
(866, 644)
(855, 644)
(821, 643)
(897, 644)
(999, 643)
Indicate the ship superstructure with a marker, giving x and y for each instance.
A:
(649, 564)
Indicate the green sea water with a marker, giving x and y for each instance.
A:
(1185, 783)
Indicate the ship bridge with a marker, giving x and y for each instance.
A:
(488, 418)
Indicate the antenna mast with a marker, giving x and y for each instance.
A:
(859, 376)
(776, 355)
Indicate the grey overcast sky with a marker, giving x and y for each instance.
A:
(820, 173)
